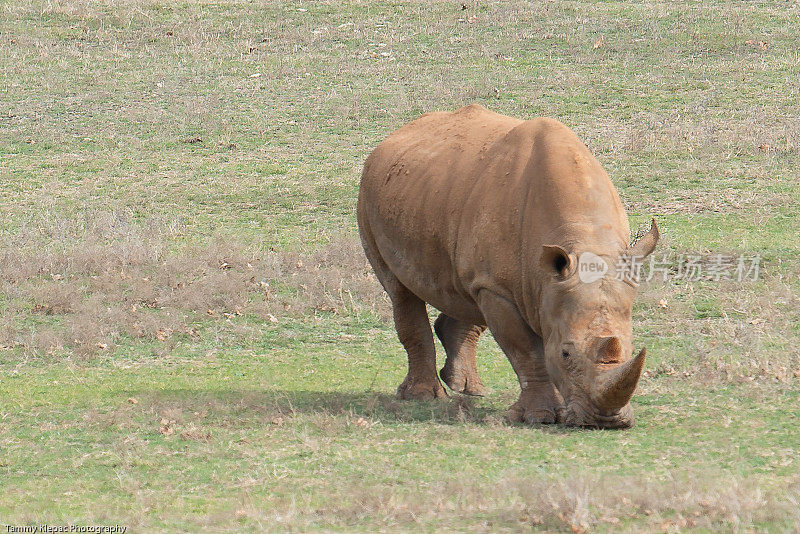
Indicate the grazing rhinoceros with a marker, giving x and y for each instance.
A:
(486, 218)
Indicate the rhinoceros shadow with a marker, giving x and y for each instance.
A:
(249, 407)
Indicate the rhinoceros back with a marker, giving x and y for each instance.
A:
(454, 203)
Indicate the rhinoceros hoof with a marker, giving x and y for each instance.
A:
(541, 410)
(414, 390)
(460, 381)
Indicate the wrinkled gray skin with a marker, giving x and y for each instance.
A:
(485, 217)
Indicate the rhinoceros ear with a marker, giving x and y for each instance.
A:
(644, 246)
(556, 260)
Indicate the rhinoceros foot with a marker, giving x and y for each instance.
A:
(462, 380)
(412, 389)
(537, 405)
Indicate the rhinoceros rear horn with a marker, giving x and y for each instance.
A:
(615, 387)
(644, 246)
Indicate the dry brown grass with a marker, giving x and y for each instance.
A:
(91, 282)
(78, 287)
(577, 504)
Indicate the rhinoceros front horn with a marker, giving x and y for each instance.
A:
(615, 388)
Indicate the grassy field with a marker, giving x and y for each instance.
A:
(190, 336)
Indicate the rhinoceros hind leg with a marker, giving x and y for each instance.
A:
(460, 340)
(414, 331)
(412, 325)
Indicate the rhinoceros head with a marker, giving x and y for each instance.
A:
(586, 327)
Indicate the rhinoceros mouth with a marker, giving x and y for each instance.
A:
(577, 415)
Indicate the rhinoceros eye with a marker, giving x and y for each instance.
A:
(565, 354)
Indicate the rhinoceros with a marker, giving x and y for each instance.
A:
(487, 218)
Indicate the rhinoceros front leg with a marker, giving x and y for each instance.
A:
(460, 341)
(539, 401)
